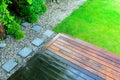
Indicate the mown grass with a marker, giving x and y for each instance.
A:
(97, 22)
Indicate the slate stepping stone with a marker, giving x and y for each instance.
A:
(36, 28)
(25, 52)
(2, 45)
(9, 65)
(25, 24)
(37, 41)
(48, 33)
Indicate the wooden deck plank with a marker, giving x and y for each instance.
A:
(88, 62)
(93, 50)
(86, 72)
(68, 68)
(81, 65)
(92, 47)
(99, 55)
(87, 56)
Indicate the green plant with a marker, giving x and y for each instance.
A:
(44, 8)
(29, 1)
(33, 17)
(32, 9)
(12, 27)
(27, 9)
(19, 35)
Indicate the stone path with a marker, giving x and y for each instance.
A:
(16, 53)
(23, 50)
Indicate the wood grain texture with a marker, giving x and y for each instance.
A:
(94, 59)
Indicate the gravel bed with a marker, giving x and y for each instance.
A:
(54, 15)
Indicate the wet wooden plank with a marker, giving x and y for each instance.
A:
(89, 62)
(80, 64)
(94, 59)
(79, 69)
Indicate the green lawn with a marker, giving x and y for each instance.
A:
(97, 22)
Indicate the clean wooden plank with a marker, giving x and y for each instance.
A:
(89, 55)
(53, 40)
(105, 52)
(94, 50)
(110, 60)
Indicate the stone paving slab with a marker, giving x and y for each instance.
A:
(48, 33)
(2, 45)
(25, 52)
(37, 41)
(9, 65)
(26, 24)
(36, 28)
(54, 15)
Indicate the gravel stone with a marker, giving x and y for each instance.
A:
(2, 45)
(54, 15)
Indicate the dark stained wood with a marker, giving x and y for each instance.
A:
(82, 70)
(94, 59)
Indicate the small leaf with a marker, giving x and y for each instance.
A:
(29, 1)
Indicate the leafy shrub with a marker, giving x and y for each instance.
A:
(12, 26)
(19, 34)
(44, 8)
(32, 9)
(33, 17)
(27, 9)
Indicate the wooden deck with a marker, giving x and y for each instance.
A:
(49, 66)
(93, 59)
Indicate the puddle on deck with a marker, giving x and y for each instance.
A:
(48, 66)
(44, 67)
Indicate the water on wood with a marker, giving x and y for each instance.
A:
(47, 66)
